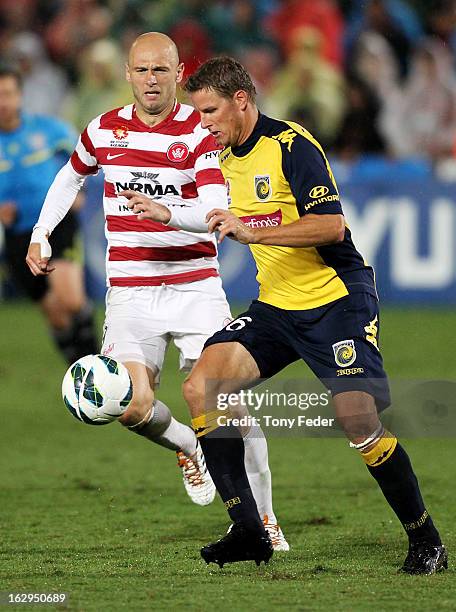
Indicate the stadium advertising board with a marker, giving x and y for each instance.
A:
(405, 229)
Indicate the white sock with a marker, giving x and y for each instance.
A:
(181, 436)
(163, 429)
(258, 472)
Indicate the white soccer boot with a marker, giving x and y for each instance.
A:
(277, 538)
(197, 480)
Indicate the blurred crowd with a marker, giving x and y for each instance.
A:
(367, 77)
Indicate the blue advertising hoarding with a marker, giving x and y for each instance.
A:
(406, 229)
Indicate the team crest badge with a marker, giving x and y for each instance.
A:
(178, 152)
(120, 132)
(263, 189)
(344, 353)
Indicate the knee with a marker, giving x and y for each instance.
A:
(193, 390)
(72, 304)
(138, 409)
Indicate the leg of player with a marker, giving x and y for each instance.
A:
(259, 475)
(151, 418)
(390, 465)
(68, 311)
(219, 370)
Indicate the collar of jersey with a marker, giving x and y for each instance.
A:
(258, 132)
(159, 126)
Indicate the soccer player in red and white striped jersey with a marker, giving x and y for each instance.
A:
(162, 277)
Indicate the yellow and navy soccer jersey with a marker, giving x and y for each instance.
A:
(277, 176)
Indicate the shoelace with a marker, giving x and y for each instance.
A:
(190, 469)
(273, 530)
(274, 533)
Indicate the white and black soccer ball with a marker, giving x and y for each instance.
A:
(97, 389)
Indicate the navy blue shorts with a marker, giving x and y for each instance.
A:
(338, 341)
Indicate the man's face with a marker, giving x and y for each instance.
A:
(10, 99)
(153, 72)
(221, 116)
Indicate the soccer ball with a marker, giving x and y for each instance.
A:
(97, 389)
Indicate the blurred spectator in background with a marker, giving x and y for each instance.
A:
(73, 28)
(298, 51)
(262, 65)
(394, 20)
(237, 27)
(18, 15)
(193, 41)
(44, 84)
(100, 83)
(441, 24)
(359, 133)
(421, 120)
(308, 89)
(32, 149)
(323, 15)
(374, 62)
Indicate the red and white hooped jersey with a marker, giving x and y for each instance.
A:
(174, 163)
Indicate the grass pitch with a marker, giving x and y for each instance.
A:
(101, 514)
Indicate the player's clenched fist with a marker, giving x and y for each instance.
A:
(229, 225)
(146, 208)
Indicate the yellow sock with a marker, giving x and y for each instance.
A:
(205, 423)
(382, 451)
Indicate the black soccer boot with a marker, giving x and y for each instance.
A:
(239, 544)
(425, 558)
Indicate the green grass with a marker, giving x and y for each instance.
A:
(101, 514)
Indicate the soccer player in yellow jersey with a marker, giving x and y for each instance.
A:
(317, 302)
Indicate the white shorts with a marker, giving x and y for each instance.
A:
(141, 321)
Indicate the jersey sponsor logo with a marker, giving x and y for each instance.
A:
(109, 156)
(120, 132)
(263, 190)
(152, 188)
(286, 137)
(270, 220)
(150, 176)
(178, 152)
(349, 371)
(344, 353)
(330, 198)
(318, 192)
(211, 154)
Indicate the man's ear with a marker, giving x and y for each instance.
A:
(180, 72)
(127, 73)
(241, 99)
